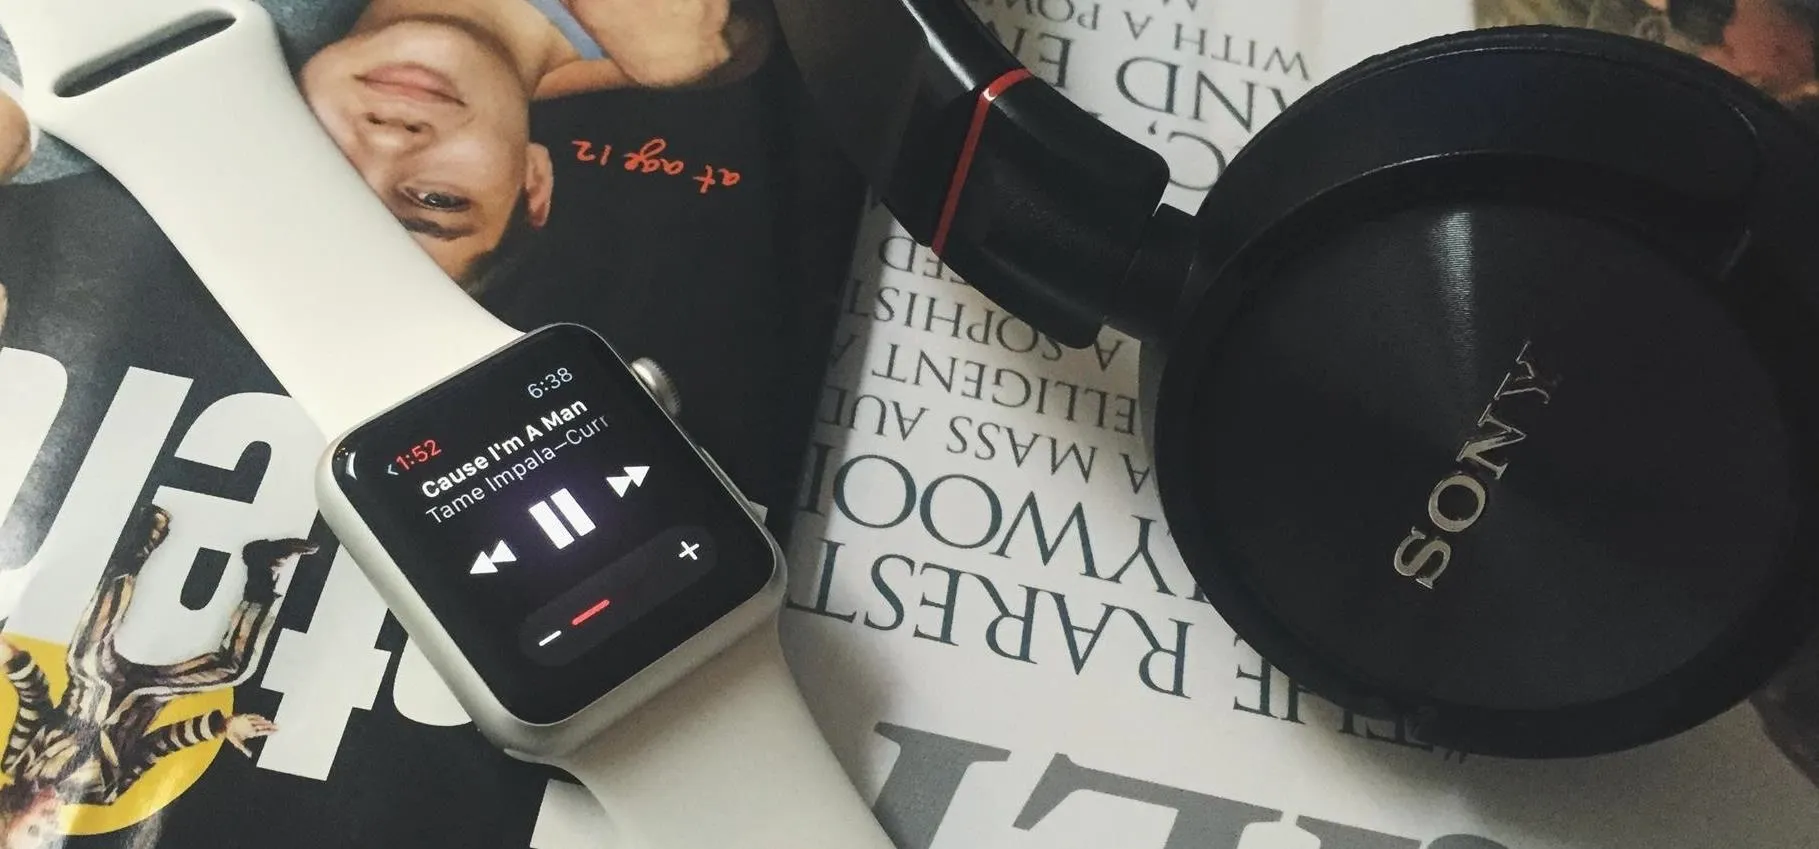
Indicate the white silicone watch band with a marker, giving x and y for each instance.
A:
(729, 757)
(218, 146)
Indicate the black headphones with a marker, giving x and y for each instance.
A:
(1484, 386)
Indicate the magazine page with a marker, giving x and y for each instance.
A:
(987, 610)
(191, 659)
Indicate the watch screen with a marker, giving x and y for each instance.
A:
(554, 520)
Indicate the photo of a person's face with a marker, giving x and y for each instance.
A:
(1768, 43)
(435, 119)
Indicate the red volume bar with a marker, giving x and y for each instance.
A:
(589, 613)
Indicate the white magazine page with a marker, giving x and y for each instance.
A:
(988, 616)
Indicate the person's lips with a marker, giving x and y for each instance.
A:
(414, 82)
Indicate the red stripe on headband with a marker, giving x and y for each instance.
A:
(981, 109)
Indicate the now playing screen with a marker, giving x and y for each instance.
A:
(561, 529)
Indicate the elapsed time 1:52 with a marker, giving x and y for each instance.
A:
(417, 454)
(549, 383)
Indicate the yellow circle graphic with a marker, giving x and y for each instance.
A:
(169, 778)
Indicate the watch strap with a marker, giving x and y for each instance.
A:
(728, 757)
(217, 144)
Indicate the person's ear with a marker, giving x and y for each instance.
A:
(539, 183)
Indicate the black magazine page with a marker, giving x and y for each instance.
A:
(192, 660)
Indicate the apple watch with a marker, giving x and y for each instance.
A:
(591, 585)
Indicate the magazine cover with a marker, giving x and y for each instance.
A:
(190, 659)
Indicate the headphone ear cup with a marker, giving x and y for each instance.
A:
(1424, 309)
(1522, 37)
(1552, 139)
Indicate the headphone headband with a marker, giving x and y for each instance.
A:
(1028, 197)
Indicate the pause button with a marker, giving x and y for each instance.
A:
(560, 534)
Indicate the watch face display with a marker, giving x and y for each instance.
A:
(554, 520)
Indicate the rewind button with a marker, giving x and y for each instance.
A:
(487, 564)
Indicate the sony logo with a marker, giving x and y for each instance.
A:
(1478, 465)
